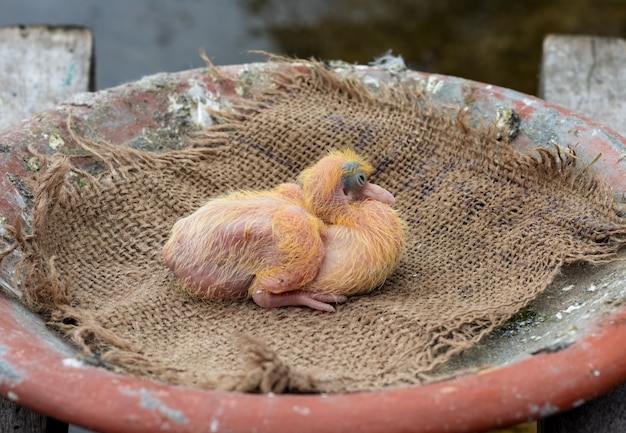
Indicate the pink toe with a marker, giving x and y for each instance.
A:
(315, 301)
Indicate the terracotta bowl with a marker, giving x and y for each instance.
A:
(566, 348)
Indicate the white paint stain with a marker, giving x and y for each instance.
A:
(72, 363)
(54, 141)
(215, 423)
(302, 410)
(174, 105)
(572, 308)
(8, 373)
(371, 82)
(203, 99)
(545, 410)
(448, 390)
(433, 85)
(150, 401)
(202, 115)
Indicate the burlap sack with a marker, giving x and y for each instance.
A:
(489, 228)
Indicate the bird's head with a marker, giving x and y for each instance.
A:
(337, 182)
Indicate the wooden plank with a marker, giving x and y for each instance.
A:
(14, 418)
(606, 414)
(41, 66)
(588, 75)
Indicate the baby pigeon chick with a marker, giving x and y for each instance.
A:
(310, 244)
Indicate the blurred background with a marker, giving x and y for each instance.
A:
(494, 41)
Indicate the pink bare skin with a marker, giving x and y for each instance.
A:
(249, 250)
(317, 301)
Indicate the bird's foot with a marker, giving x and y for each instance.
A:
(317, 301)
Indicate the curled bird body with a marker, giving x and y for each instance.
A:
(331, 235)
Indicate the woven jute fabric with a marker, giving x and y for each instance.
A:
(488, 230)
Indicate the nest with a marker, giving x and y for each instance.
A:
(488, 230)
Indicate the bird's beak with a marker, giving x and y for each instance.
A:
(374, 192)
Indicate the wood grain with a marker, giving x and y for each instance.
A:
(588, 75)
(41, 66)
(14, 418)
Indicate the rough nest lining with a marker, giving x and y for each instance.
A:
(489, 229)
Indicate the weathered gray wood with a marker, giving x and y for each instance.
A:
(14, 418)
(606, 414)
(41, 66)
(588, 75)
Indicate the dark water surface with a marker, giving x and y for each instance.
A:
(493, 41)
